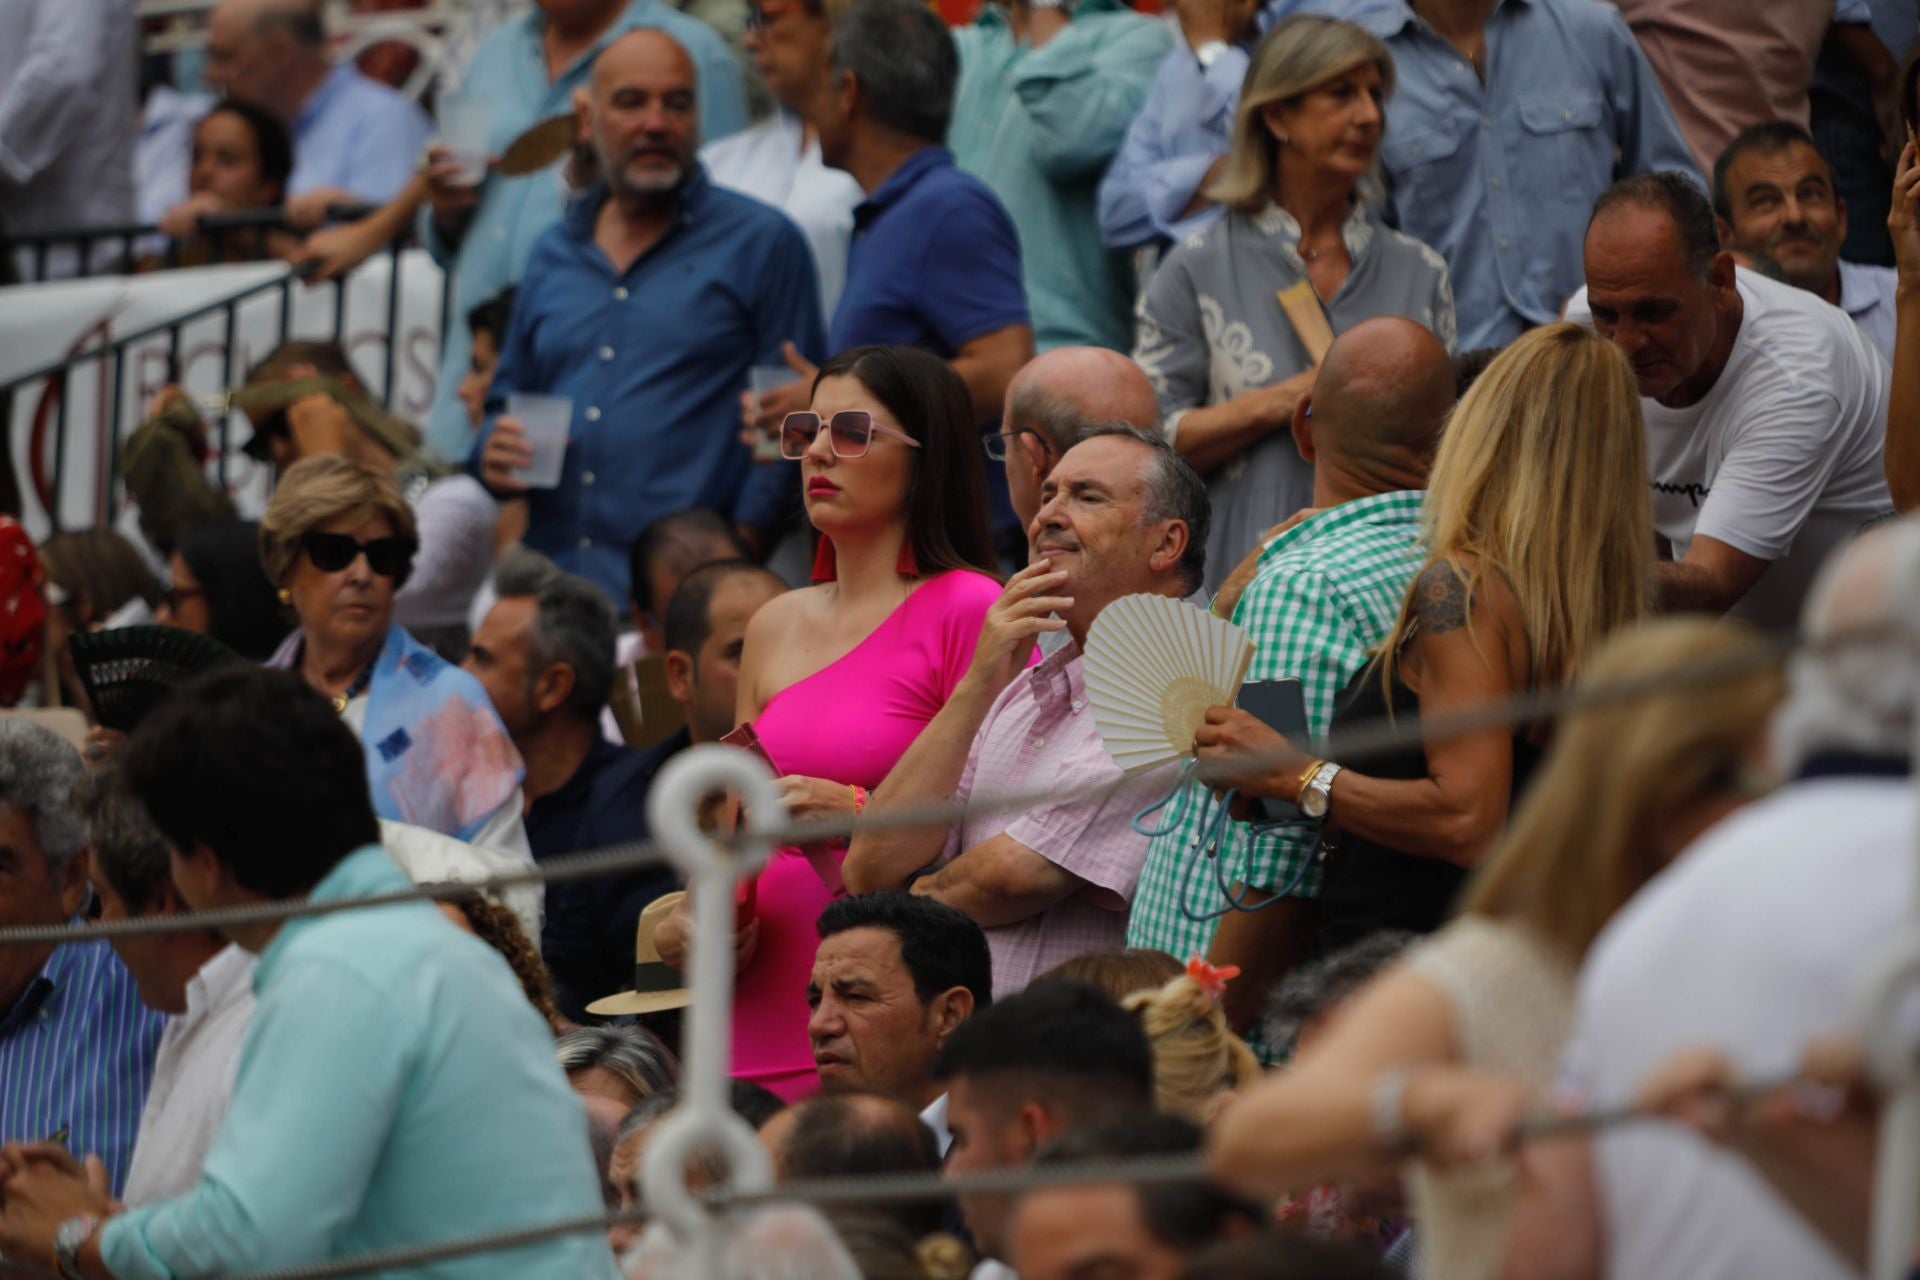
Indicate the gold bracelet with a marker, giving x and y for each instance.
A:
(1306, 777)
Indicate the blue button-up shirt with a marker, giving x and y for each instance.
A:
(655, 359)
(1501, 177)
(76, 1053)
(935, 262)
(357, 134)
(510, 68)
(396, 1089)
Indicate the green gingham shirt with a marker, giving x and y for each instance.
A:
(1327, 592)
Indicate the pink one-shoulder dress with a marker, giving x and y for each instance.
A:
(850, 722)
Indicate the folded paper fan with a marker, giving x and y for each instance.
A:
(1153, 666)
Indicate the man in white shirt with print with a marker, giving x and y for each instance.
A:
(201, 979)
(1765, 407)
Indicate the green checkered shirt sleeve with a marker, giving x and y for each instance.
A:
(1316, 609)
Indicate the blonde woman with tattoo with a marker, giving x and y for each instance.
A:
(1538, 532)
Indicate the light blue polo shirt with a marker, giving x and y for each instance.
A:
(395, 1089)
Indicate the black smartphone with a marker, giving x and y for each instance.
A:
(1281, 705)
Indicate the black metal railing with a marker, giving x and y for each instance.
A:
(50, 387)
(124, 250)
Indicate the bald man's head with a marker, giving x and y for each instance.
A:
(1059, 397)
(267, 52)
(642, 116)
(1383, 394)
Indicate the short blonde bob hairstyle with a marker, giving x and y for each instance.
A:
(318, 490)
(1297, 56)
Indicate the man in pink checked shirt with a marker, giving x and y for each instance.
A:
(1121, 514)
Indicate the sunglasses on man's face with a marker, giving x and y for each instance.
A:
(331, 552)
(850, 434)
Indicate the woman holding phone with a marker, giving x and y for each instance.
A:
(838, 679)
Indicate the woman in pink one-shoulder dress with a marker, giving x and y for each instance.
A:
(838, 679)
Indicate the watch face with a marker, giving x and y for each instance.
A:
(1314, 802)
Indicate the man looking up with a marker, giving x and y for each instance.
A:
(354, 139)
(203, 982)
(1766, 409)
(411, 1027)
(1053, 402)
(894, 977)
(1048, 1061)
(646, 306)
(1124, 515)
(544, 654)
(1774, 200)
(1320, 597)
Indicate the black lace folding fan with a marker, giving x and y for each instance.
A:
(129, 671)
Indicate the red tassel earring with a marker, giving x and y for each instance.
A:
(825, 567)
(906, 565)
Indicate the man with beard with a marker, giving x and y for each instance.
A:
(645, 307)
(1121, 514)
(1775, 202)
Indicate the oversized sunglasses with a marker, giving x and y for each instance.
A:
(389, 557)
(850, 433)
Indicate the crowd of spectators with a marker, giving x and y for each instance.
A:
(817, 401)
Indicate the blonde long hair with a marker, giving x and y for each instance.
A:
(1298, 55)
(1196, 1057)
(1541, 479)
(1587, 835)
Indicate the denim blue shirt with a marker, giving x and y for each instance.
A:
(935, 262)
(76, 1053)
(655, 359)
(358, 134)
(395, 1089)
(1501, 178)
(510, 69)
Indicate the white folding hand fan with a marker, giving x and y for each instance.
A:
(1153, 666)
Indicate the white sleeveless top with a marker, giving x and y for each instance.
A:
(1513, 1000)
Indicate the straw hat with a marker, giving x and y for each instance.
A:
(656, 985)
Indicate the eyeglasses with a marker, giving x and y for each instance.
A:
(759, 15)
(332, 552)
(850, 433)
(1000, 443)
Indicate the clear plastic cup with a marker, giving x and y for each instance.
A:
(466, 123)
(761, 379)
(546, 420)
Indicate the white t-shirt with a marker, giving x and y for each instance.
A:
(193, 1077)
(768, 163)
(1781, 460)
(1755, 940)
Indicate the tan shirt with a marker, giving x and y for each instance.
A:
(1727, 64)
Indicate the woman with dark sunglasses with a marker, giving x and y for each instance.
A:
(838, 679)
(338, 541)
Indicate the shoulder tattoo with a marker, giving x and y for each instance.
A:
(1439, 599)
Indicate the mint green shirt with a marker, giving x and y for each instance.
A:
(395, 1089)
(1039, 126)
